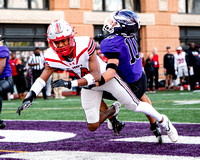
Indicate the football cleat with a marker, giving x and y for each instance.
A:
(2, 124)
(156, 131)
(117, 125)
(117, 106)
(170, 129)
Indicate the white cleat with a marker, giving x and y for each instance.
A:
(170, 129)
(117, 106)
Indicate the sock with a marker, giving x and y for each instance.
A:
(147, 109)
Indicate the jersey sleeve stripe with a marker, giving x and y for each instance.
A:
(91, 48)
(91, 43)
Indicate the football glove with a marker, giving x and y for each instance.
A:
(27, 102)
(61, 83)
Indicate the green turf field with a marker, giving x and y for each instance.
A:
(178, 106)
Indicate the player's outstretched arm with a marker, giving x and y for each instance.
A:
(35, 89)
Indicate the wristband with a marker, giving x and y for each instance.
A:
(74, 83)
(111, 65)
(102, 81)
(90, 79)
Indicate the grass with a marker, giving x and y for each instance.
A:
(165, 102)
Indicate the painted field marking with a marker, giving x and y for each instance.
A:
(83, 155)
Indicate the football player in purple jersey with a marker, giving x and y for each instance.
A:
(6, 81)
(121, 49)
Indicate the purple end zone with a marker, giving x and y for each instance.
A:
(98, 141)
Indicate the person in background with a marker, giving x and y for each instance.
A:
(21, 88)
(13, 63)
(194, 64)
(6, 81)
(156, 67)
(48, 84)
(181, 68)
(149, 70)
(168, 68)
(36, 61)
(143, 60)
(58, 74)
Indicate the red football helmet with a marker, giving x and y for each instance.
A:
(60, 30)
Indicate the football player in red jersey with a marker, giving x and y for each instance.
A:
(78, 55)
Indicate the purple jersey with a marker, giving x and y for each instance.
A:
(130, 64)
(4, 53)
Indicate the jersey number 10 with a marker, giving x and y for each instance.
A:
(132, 47)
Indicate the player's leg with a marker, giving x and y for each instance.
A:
(125, 96)
(167, 81)
(187, 78)
(139, 87)
(91, 101)
(180, 73)
(6, 85)
(113, 123)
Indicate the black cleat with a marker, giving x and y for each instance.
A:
(156, 131)
(117, 125)
(2, 124)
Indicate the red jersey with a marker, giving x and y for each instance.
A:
(156, 62)
(13, 64)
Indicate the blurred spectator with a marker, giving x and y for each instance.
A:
(6, 81)
(180, 65)
(36, 61)
(194, 64)
(48, 83)
(58, 74)
(29, 78)
(13, 63)
(168, 68)
(101, 55)
(142, 59)
(149, 70)
(21, 87)
(156, 67)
